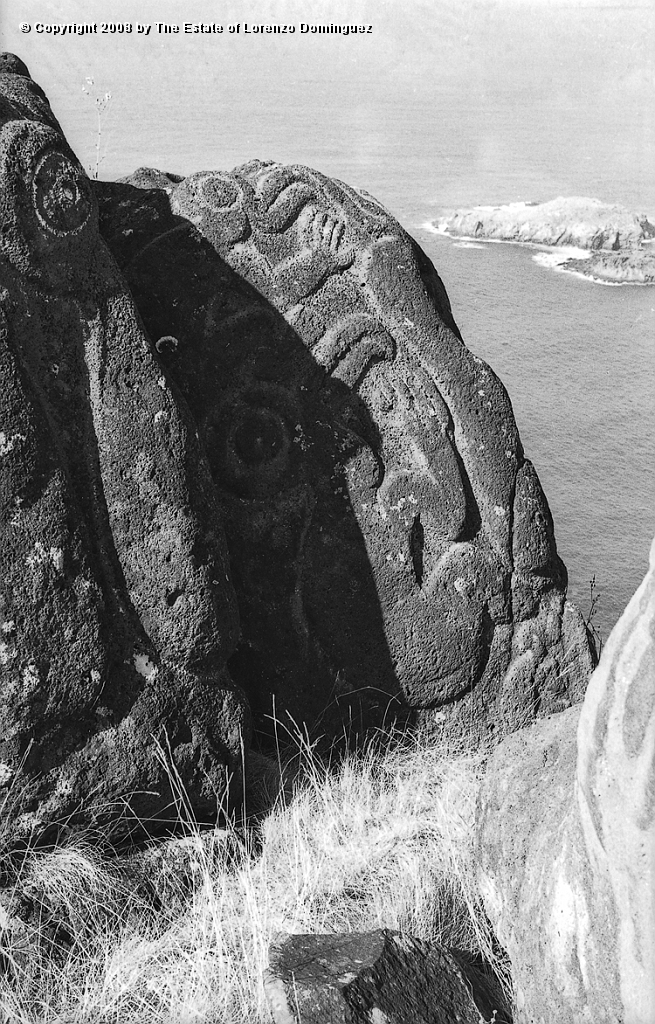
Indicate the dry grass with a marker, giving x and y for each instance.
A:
(181, 933)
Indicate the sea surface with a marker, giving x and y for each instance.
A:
(577, 358)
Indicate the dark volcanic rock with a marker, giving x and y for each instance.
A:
(378, 976)
(307, 387)
(566, 842)
(149, 177)
(117, 611)
(387, 536)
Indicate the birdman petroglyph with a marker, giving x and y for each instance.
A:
(385, 529)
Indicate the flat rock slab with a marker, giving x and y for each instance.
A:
(379, 977)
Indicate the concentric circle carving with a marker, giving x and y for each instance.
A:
(61, 194)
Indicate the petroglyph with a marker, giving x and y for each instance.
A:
(103, 512)
(338, 404)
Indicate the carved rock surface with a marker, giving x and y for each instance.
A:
(387, 536)
(566, 842)
(379, 977)
(117, 613)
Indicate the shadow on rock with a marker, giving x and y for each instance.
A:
(302, 443)
(388, 539)
(116, 607)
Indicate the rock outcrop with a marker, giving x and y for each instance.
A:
(577, 221)
(308, 390)
(618, 240)
(566, 842)
(117, 612)
(380, 976)
(631, 266)
(389, 540)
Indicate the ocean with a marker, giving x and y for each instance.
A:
(577, 358)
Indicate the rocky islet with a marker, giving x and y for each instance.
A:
(619, 242)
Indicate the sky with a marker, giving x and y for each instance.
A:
(592, 58)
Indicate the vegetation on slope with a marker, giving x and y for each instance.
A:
(180, 931)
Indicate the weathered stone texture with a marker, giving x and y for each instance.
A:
(387, 535)
(566, 842)
(303, 385)
(379, 977)
(117, 609)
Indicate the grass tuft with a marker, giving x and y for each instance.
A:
(180, 931)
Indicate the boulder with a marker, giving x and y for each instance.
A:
(391, 545)
(117, 612)
(566, 842)
(379, 977)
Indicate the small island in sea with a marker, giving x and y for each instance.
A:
(616, 243)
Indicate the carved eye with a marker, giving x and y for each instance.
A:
(259, 437)
(249, 444)
(219, 193)
(61, 194)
